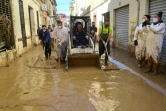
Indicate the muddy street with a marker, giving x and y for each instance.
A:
(32, 84)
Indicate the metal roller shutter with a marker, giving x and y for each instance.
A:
(156, 6)
(122, 27)
(4, 9)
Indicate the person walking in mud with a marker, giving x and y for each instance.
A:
(154, 41)
(139, 40)
(93, 33)
(51, 34)
(45, 37)
(61, 36)
(104, 40)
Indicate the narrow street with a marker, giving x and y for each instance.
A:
(81, 32)
(32, 84)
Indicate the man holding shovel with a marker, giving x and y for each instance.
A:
(104, 40)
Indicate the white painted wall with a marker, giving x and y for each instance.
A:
(99, 11)
(112, 5)
(17, 26)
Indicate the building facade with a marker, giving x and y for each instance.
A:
(71, 8)
(54, 4)
(124, 16)
(25, 18)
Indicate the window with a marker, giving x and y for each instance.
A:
(22, 23)
(4, 11)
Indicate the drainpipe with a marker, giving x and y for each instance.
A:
(138, 11)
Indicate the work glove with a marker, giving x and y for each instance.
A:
(104, 42)
(60, 43)
(148, 27)
(86, 37)
(58, 40)
(135, 42)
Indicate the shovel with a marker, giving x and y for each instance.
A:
(66, 61)
(59, 58)
(104, 67)
(59, 62)
(107, 52)
(44, 50)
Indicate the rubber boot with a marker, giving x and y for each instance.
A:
(140, 63)
(156, 68)
(57, 59)
(150, 65)
(63, 60)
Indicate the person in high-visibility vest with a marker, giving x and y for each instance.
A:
(104, 40)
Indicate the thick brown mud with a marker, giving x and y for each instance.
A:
(131, 62)
(33, 84)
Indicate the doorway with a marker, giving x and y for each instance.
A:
(22, 21)
(32, 24)
(106, 16)
(37, 13)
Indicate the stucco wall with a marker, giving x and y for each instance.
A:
(133, 8)
(31, 40)
(111, 5)
(7, 57)
(16, 26)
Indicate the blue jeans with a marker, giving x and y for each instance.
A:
(47, 49)
(79, 42)
(64, 50)
(94, 42)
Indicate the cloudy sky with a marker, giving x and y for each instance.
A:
(63, 6)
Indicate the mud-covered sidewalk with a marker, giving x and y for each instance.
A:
(130, 61)
(32, 84)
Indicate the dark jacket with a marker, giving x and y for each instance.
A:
(80, 35)
(45, 36)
